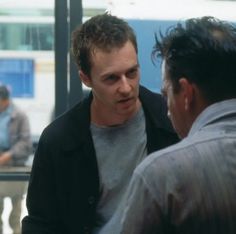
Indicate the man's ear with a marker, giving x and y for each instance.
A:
(85, 79)
(187, 91)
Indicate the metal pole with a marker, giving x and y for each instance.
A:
(76, 92)
(61, 56)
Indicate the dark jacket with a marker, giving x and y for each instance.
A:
(64, 185)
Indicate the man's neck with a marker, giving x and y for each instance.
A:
(110, 118)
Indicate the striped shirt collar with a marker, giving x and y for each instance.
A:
(212, 113)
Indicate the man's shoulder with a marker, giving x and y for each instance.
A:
(72, 123)
(155, 108)
(17, 112)
(190, 151)
(147, 93)
(152, 102)
(169, 156)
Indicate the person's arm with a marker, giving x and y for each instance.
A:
(42, 201)
(5, 157)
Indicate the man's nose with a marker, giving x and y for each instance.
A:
(124, 86)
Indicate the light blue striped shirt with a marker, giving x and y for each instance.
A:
(187, 188)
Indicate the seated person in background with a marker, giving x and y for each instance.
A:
(85, 158)
(15, 147)
(190, 187)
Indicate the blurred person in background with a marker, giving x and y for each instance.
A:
(15, 148)
(190, 187)
(86, 157)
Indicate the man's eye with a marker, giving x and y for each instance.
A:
(111, 78)
(132, 73)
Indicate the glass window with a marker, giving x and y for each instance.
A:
(27, 70)
(26, 36)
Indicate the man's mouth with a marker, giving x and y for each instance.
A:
(125, 100)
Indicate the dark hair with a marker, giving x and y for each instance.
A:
(4, 92)
(203, 50)
(103, 32)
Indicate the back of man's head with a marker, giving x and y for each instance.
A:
(4, 92)
(203, 50)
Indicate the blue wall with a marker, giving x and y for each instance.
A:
(145, 30)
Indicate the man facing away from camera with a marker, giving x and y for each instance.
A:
(190, 187)
(86, 157)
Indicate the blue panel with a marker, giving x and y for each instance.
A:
(18, 75)
(145, 32)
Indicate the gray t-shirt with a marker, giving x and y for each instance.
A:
(119, 150)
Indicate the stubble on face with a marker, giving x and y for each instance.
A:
(115, 82)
